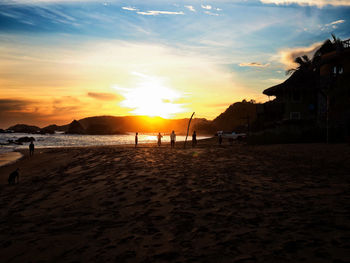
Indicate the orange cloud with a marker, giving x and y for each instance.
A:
(20, 110)
(103, 96)
(254, 64)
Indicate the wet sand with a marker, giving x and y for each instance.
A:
(277, 203)
(9, 157)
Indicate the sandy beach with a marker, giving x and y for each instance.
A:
(240, 203)
(9, 157)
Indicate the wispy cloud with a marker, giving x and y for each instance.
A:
(129, 8)
(155, 13)
(191, 8)
(287, 56)
(103, 96)
(50, 12)
(273, 81)
(13, 14)
(18, 16)
(14, 105)
(254, 64)
(336, 22)
(14, 109)
(333, 24)
(55, 14)
(38, 112)
(208, 7)
(319, 3)
(211, 13)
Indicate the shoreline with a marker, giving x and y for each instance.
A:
(206, 204)
(8, 158)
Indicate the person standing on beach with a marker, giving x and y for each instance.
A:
(172, 139)
(194, 139)
(136, 139)
(31, 148)
(159, 136)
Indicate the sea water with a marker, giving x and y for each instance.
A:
(74, 140)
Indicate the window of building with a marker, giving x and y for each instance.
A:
(337, 70)
(334, 70)
(295, 115)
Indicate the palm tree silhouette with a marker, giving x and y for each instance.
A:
(329, 46)
(305, 64)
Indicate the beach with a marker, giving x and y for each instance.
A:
(9, 157)
(240, 203)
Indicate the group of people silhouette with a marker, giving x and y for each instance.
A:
(172, 139)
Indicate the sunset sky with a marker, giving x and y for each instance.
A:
(65, 60)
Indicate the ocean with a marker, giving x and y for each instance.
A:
(74, 140)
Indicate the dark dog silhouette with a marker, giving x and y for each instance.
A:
(13, 176)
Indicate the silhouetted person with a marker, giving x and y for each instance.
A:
(172, 139)
(31, 148)
(159, 136)
(194, 139)
(136, 139)
(220, 139)
(13, 176)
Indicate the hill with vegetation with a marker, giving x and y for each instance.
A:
(236, 117)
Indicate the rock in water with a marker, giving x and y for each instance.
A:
(24, 128)
(25, 139)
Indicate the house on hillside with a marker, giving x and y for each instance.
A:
(318, 95)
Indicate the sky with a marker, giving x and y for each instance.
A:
(62, 60)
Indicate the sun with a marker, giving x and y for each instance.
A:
(151, 97)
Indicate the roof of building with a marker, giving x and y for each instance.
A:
(297, 79)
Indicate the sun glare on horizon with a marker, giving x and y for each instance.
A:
(150, 97)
